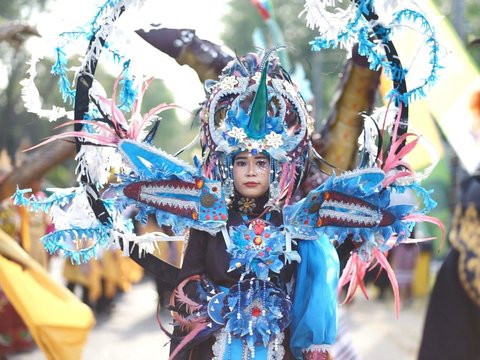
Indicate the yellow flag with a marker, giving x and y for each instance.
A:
(57, 320)
(447, 101)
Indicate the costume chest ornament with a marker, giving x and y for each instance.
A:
(254, 310)
(257, 247)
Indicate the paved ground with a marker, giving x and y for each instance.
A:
(377, 334)
(131, 331)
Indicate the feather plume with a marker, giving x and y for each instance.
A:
(183, 299)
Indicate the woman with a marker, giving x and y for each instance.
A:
(251, 264)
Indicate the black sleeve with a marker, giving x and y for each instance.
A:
(161, 270)
(195, 255)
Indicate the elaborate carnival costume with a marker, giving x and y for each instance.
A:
(260, 278)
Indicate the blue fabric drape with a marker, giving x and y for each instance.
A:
(314, 313)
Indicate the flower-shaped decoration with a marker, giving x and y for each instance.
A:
(256, 311)
(274, 140)
(237, 133)
(258, 76)
(228, 82)
(246, 205)
(257, 248)
(254, 107)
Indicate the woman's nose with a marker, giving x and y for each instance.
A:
(251, 169)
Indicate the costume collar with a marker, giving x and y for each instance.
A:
(252, 207)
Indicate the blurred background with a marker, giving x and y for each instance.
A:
(122, 296)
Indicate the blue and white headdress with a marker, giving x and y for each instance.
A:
(255, 107)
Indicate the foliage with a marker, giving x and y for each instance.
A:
(471, 25)
(243, 18)
(23, 129)
(18, 9)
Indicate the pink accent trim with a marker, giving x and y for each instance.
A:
(430, 219)
(315, 354)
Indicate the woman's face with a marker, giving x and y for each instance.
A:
(251, 174)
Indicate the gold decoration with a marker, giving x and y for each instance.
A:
(246, 205)
(465, 237)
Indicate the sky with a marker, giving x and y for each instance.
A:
(203, 16)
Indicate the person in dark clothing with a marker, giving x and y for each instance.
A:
(252, 264)
(452, 323)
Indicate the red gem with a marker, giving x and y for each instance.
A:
(256, 311)
(258, 228)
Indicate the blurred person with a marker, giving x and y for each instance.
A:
(422, 277)
(34, 225)
(452, 323)
(84, 280)
(169, 252)
(404, 258)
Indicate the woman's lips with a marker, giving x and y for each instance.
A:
(250, 184)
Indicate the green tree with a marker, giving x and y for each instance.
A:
(323, 68)
(19, 126)
(469, 20)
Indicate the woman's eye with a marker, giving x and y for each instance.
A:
(262, 163)
(240, 163)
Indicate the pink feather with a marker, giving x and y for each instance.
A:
(138, 101)
(430, 219)
(382, 260)
(353, 275)
(391, 179)
(89, 122)
(136, 127)
(117, 117)
(102, 140)
(393, 158)
(183, 299)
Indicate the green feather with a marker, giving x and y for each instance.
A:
(257, 124)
